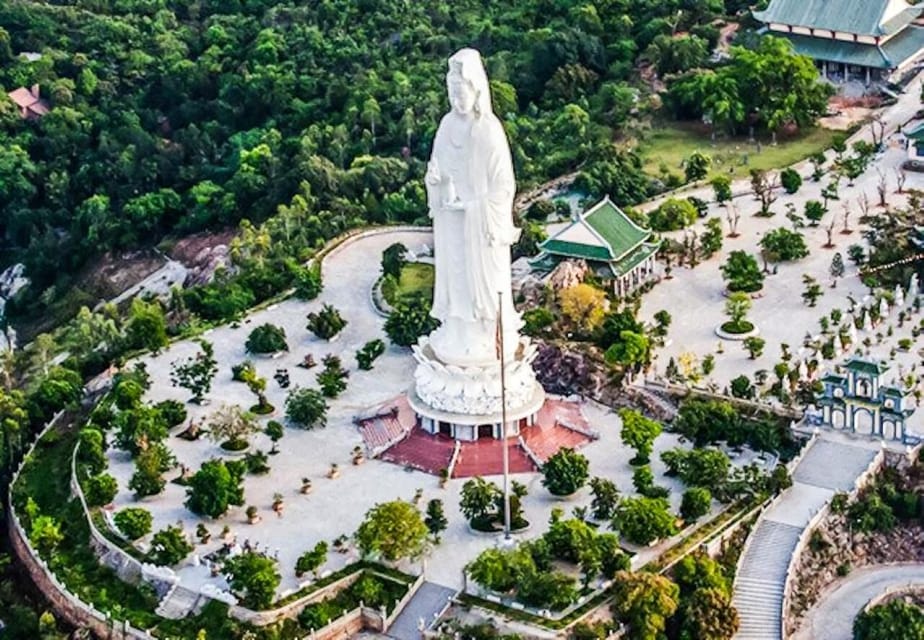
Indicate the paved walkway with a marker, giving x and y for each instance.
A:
(827, 467)
(832, 617)
(422, 611)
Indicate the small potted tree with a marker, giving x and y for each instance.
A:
(306, 486)
(232, 427)
(334, 471)
(358, 456)
(252, 516)
(278, 504)
(203, 534)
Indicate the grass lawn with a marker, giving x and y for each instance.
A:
(416, 278)
(673, 142)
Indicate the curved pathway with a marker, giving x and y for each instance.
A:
(832, 617)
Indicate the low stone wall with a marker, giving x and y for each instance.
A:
(128, 568)
(66, 605)
(683, 391)
(292, 609)
(349, 625)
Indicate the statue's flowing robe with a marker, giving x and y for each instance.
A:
(472, 247)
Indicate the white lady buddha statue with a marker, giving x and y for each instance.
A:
(470, 190)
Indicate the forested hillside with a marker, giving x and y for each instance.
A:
(171, 116)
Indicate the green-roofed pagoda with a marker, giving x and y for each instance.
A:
(614, 246)
(864, 40)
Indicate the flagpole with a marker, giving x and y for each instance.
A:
(503, 381)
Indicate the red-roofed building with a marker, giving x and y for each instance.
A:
(30, 103)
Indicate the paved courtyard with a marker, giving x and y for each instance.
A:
(336, 507)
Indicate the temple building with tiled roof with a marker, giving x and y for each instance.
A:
(614, 246)
(863, 40)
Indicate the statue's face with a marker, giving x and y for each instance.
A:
(461, 96)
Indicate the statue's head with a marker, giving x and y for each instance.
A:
(468, 83)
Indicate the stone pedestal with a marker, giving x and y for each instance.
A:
(465, 402)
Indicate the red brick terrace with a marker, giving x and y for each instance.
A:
(560, 423)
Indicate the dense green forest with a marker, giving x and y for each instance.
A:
(172, 116)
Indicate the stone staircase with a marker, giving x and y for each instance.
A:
(424, 608)
(761, 579)
(179, 603)
(759, 584)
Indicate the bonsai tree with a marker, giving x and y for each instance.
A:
(254, 578)
(605, 498)
(172, 411)
(332, 378)
(369, 352)
(267, 338)
(754, 345)
(565, 472)
(436, 521)
(721, 188)
(326, 323)
(274, 432)
(736, 308)
(241, 372)
(639, 433)
(394, 530)
(812, 290)
(215, 487)
(150, 465)
(695, 504)
(478, 502)
(311, 560)
(195, 374)
(306, 408)
(100, 489)
(133, 522)
(257, 386)
(644, 520)
(783, 245)
(393, 260)
(814, 212)
(409, 320)
(790, 180)
(169, 546)
(742, 273)
(231, 427)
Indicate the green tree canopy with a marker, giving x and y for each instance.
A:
(394, 529)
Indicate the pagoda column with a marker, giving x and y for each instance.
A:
(867, 76)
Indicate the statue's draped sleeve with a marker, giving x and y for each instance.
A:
(489, 217)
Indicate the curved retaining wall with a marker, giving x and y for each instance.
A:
(66, 605)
